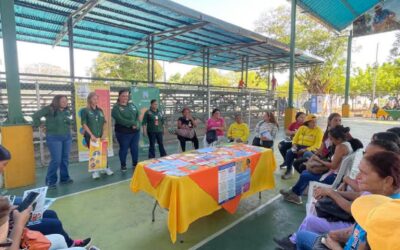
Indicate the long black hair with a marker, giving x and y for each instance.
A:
(55, 103)
(330, 118)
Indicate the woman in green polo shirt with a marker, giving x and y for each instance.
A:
(127, 131)
(95, 125)
(58, 138)
(153, 127)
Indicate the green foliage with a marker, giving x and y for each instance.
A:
(176, 78)
(282, 89)
(123, 67)
(313, 38)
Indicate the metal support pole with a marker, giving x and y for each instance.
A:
(208, 85)
(204, 66)
(375, 75)
(152, 60)
(249, 123)
(292, 52)
(242, 69)
(41, 142)
(269, 77)
(348, 67)
(247, 71)
(148, 61)
(71, 50)
(13, 84)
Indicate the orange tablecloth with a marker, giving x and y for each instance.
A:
(195, 195)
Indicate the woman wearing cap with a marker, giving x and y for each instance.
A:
(95, 125)
(286, 144)
(127, 130)
(307, 139)
(266, 131)
(58, 138)
(379, 174)
(337, 136)
(50, 223)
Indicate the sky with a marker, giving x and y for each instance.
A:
(243, 13)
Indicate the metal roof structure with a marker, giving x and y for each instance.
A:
(178, 34)
(337, 14)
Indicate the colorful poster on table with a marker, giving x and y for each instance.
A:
(384, 17)
(141, 97)
(82, 90)
(98, 155)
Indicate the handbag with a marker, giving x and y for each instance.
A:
(315, 167)
(34, 240)
(185, 132)
(328, 209)
(211, 136)
(260, 143)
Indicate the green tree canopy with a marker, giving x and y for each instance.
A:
(311, 37)
(123, 67)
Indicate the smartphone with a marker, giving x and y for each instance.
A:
(29, 200)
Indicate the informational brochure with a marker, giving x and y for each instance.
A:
(40, 205)
(226, 182)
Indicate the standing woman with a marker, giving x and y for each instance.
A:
(153, 127)
(217, 123)
(58, 138)
(126, 116)
(95, 125)
(266, 131)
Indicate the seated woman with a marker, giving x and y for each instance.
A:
(286, 144)
(238, 131)
(386, 136)
(187, 122)
(337, 136)
(216, 123)
(50, 223)
(266, 131)
(379, 174)
(307, 139)
(342, 198)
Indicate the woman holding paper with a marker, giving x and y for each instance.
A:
(266, 131)
(95, 125)
(58, 138)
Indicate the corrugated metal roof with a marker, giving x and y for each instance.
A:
(122, 26)
(337, 14)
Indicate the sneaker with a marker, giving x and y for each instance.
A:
(95, 175)
(293, 198)
(82, 243)
(283, 165)
(284, 192)
(69, 181)
(108, 171)
(287, 175)
(123, 168)
(51, 186)
(285, 243)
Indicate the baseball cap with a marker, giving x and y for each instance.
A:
(310, 117)
(379, 216)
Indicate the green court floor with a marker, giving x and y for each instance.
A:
(118, 219)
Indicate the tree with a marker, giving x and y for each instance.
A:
(395, 51)
(44, 69)
(176, 78)
(313, 38)
(123, 67)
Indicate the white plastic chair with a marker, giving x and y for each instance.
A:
(346, 166)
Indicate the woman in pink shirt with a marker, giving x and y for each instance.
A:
(217, 123)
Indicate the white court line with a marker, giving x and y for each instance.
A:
(91, 189)
(223, 230)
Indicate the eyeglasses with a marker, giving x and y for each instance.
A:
(7, 243)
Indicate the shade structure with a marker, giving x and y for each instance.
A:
(179, 34)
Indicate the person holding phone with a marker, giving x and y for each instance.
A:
(95, 125)
(266, 131)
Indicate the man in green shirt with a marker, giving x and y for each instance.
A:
(58, 138)
(153, 127)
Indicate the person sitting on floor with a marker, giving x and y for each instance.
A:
(266, 131)
(187, 124)
(238, 131)
(343, 198)
(286, 144)
(50, 223)
(307, 139)
(381, 174)
(337, 136)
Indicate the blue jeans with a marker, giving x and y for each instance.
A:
(305, 240)
(290, 156)
(51, 224)
(59, 148)
(153, 136)
(128, 141)
(305, 179)
(283, 147)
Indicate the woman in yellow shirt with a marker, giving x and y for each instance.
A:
(307, 139)
(238, 131)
